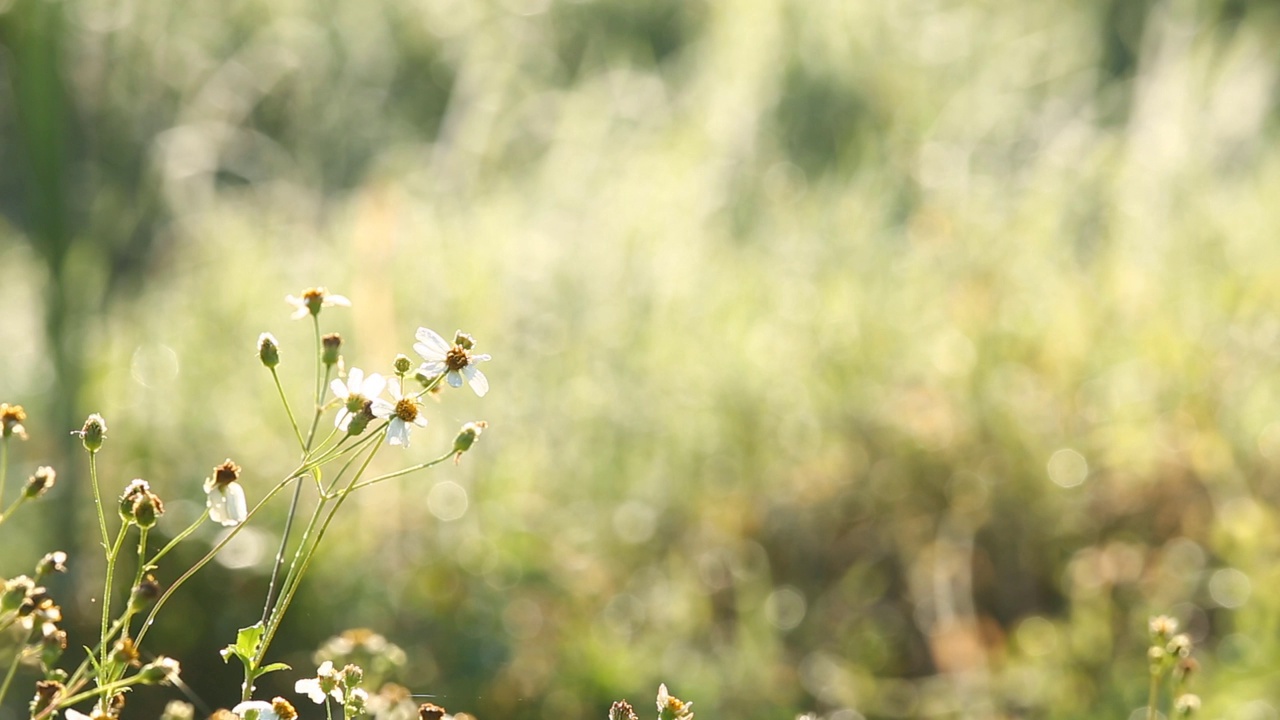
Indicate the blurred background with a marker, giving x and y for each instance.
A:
(872, 359)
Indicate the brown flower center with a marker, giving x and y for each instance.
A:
(457, 358)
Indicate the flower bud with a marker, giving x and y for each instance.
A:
(268, 350)
(125, 652)
(1186, 705)
(356, 700)
(162, 671)
(331, 344)
(1179, 645)
(51, 563)
(129, 498)
(144, 595)
(360, 420)
(41, 481)
(15, 593)
(402, 365)
(93, 432)
(52, 645)
(463, 340)
(147, 508)
(352, 676)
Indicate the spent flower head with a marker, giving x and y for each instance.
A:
(622, 710)
(224, 496)
(467, 437)
(312, 300)
(455, 361)
(163, 670)
(40, 482)
(12, 418)
(356, 392)
(330, 345)
(405, 411)
(430, 711)
(54, 562)
(92, 433)
(139, 505)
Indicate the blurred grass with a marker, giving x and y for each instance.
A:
(790, 304)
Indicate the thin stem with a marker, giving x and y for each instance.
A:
(151, 564)
(1152, 694)
(13, 507)
(13, 669)
(405, 471)
(97, 496)
(284, 399)
(106, 593)
(4, 466)
(287, 598)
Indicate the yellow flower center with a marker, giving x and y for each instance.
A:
(457, 358)
(406, 410)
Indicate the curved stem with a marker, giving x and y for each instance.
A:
(97, 497)
(405, 471)
(13, 507)
(284, 399)
(13, 669)
(151, 564)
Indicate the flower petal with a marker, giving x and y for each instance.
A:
(337, 300)
(432, 368)
(398, 433)
(260, 710)
(340, 389)
(382, 408)
(343, 419)
(476, 379)
(454, 378)
(373, 386)
(355, 376)
(432, 340)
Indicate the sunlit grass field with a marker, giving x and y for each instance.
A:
(872, 359)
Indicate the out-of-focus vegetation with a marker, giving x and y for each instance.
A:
(880, 359)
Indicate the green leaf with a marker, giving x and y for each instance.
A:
(247, 641)
(273, 667)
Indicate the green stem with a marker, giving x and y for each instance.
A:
(13, 669)
(4, 466)
(13, 507)
(97, 497)
(151, 564)
(106, 596)
(284, 399)
(1152, 695)
(287, 598)
(405, 471)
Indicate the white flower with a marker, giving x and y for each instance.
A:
(355, 392)
(224, 496)
(312, 300)
(405, 410)
(455, 360)
(256, 710)
(74, 714)
(315, 688)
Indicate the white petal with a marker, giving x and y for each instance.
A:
(373, 385)
(73, 714)
(340, 389)
(337, 300)
(393, 386)
(300, 313)
(226, 505)
(355, 376)
(432, 368)
(483, 357)
(433, 340)
(454, 378)
(311, 688)
(343, 420)
(216, 501)
(398, 433)
(383, 409)
(263, 710)
(421, 419)
(477, 380)
(428, 353)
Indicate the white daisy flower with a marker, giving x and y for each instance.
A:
(324, 684)
(224, 496)
(354, 393)
(277, 709)
(312, 300)
(405, 410)
(456, 361)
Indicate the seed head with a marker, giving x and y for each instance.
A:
(622, 710)
(12, 418)
(93, 432)
(40, 482)
(330, 345)
(430, 711)
(51, 563)
(226, 473)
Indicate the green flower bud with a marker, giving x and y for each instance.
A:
(52, 645)
(93, 432)
(467, 437)
(402, 365)
(268, 350)
(147, 508)
(51, 563)
(15, 593)
(129, 498)
(40, 482)
(162, 671)
(144, 595)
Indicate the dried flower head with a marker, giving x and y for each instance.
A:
(455, 361)
(16, 592)
(224, 496)
(312, 300)
(139, 505)
(330, 345)
(622, 710)
(40, 482)
(46, 692)
(125, 652)
(144, 594)
(12, 418)
(430, 711)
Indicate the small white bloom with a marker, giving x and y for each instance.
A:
(256, 710)
(456, 361)
(74, 714)
(224, 496)
(312, 300)
(324, 684)
(405, 410)
(354, 393)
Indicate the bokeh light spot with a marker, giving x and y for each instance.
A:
(1230, 588)
(447, 501)
(1068, 468)
(785, 608)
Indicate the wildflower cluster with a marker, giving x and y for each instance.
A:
(370, 411)
(1169, 658)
